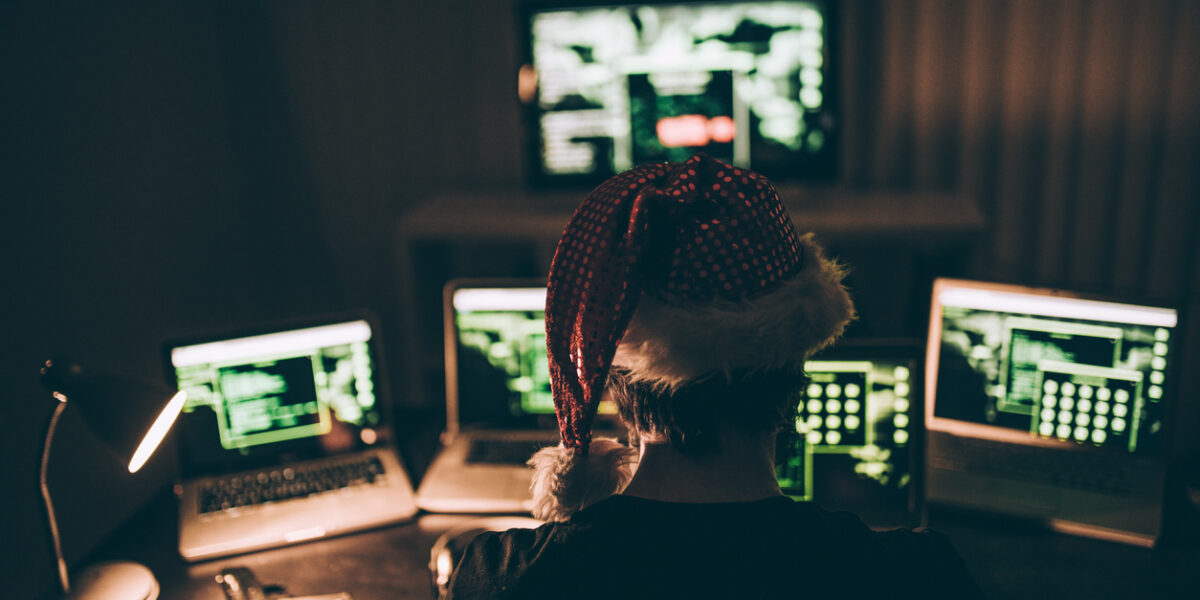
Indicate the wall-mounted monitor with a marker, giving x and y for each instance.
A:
(610, 86)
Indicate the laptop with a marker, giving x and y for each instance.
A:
(284, 437)
(857, 440)
(1048, 405)
(499, 408)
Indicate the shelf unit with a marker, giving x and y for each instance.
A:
(513, 233)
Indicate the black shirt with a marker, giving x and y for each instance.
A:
(626, 547)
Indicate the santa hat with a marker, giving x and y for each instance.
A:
(673, 273)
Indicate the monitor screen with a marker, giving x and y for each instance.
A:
(609, 87)
(264, 399)
(855, 431)
(502, 373)
(1027, 364)
(501, 335)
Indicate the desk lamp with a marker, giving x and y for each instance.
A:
(132, 417)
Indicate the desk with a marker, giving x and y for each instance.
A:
(381, 564)
(1014, 559)
(1008, 559)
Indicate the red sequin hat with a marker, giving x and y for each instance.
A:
(677, 272)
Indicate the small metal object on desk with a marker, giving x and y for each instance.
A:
(239, 583)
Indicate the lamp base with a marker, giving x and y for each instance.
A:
(114, 580)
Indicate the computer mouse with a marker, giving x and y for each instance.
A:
(115, 580)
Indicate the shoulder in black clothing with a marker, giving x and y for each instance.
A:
(774, 548)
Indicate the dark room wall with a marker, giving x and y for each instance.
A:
(1074, 124)
(152, 189)
(172, 169)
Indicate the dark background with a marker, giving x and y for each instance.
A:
(175, 168)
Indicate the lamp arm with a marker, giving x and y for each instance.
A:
(62, 564)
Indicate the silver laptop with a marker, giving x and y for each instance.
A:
(499, 408)
(1051, 406)
(858, 434)
(285, 437)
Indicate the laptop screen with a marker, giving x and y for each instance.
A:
(497, 369)
(1046, 368)
(857, 429)
(277, 397)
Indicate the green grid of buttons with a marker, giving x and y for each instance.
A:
(834, 413)
(1085, 411)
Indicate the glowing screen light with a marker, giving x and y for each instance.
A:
(1030, 365)
(853, 427)
(300, 387)
(611, 87)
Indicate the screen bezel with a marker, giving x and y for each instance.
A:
(967, 429)
(829, 171)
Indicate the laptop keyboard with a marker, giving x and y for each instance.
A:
(285, 483)
(1082, 471)
(504, 452)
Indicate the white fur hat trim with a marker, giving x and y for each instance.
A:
(564, 482)
(667, 345)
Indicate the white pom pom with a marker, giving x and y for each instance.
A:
(565, 483)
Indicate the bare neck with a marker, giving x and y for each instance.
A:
(742, 470)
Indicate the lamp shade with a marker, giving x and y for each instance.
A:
(131, 416)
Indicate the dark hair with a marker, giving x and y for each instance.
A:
(692, 416)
